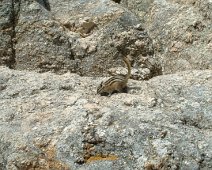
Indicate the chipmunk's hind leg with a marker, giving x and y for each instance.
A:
(124, 89)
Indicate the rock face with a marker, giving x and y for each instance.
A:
(58, 122)
(78, 36)
(7, 12)
(180, 29)
(88, 37)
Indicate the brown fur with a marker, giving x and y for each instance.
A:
(116, 83)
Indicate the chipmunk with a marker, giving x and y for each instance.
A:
(116, 83)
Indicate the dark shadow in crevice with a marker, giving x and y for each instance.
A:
(117, 1)
(14, 19)
(45, 4)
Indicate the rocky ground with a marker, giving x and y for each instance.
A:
(54, 54)
(59, 122)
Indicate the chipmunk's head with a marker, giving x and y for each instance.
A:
(100, 88)
(103, 89)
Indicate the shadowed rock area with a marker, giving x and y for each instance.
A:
(54, 54)
(85, 37)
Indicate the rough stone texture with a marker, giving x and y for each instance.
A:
(90, 36)
(87, 37)
(50, 121)
(41, 41)
(6, 33)
(180, 29)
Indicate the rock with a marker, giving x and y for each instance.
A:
(38, 35)
(57, 121)
(180, 30)
(53, 121)
(57, 36)
(7, 33)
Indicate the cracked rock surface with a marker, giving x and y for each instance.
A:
(180, 29)
(54, 54)
(86, 37)
(53, 121)
(89, 37)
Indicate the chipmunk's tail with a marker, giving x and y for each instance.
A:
(127, 62)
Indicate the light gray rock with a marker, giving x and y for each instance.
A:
(180, 30)
(50, 121)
